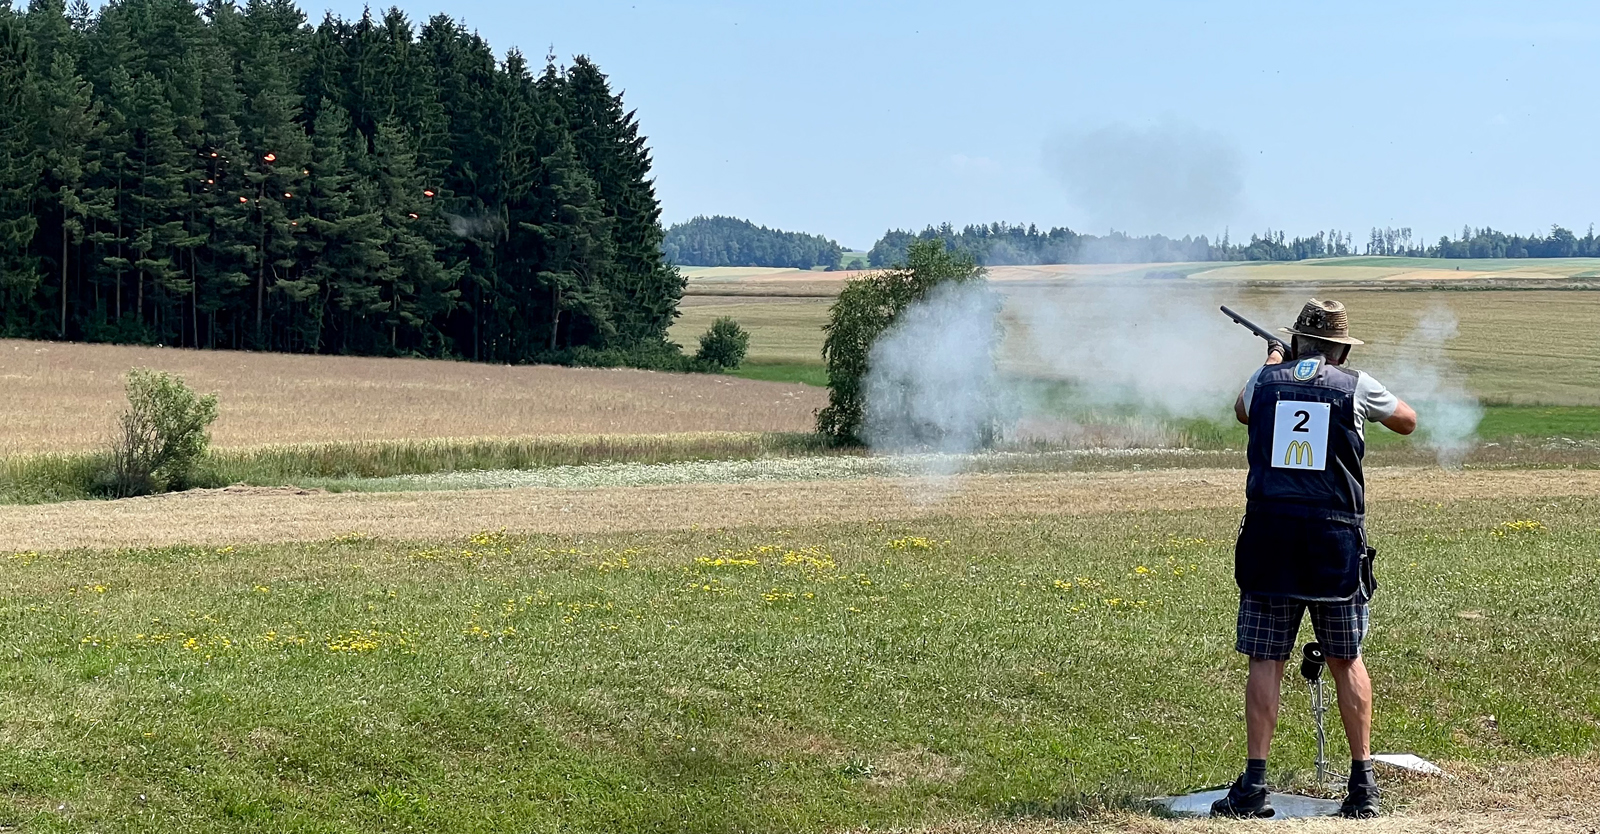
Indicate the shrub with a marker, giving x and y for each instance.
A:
(656, 355)
(160, 437)
(724, 343)
(866, 308)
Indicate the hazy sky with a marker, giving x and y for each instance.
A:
(847, 118)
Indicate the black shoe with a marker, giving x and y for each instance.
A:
(1243, 803)
(1362, 803)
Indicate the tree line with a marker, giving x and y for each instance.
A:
(1003, 244)
(228, 176)
(730, 241)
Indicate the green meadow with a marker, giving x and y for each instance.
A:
(764, 679)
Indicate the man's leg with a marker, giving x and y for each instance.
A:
(1355, 704)
(1340, 628)
(1267, 629)
(1261, 699)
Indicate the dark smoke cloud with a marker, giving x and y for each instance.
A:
(1172, 177)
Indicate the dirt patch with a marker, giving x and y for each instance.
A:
(904, 766)
(221, 517)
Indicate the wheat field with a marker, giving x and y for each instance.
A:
(64, 397)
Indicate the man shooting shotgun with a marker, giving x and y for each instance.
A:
(1302, 544)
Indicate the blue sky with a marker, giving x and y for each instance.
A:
(845, 118)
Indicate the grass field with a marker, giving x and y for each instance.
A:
(782, 330)
(1515, 346)
(778, 676)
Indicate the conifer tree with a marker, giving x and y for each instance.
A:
(419, 287)
(606, 137)
(573, 241)
(69, 124)
(277, 152)
(344, 238)
(19, 171)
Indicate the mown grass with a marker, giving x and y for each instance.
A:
(770, 679)
(49, 478)
(801, 372)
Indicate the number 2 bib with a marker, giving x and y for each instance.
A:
(1300, 435)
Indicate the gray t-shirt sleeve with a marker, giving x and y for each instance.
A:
(1250, 389)
(1373, 400)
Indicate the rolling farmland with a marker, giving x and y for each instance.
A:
(435, 608)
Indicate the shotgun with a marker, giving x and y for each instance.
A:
(1272, 338)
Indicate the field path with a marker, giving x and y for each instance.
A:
(253, 515)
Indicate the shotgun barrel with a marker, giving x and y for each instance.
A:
(1272, 338)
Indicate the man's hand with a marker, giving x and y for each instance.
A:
(1277, 352)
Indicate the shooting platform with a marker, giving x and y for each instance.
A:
(1288, 806)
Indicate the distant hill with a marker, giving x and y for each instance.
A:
(730, 241)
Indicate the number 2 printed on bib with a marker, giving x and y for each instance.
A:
(1300, 435)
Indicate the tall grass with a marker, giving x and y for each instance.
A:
(65, 477)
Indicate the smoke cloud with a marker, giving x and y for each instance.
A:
(485, 228)
(1172, 177)
(932, 382)
(1144, 344)
(1080, 364)
(1105, 365)
(1447, 414)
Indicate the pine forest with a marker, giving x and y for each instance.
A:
(228, 176)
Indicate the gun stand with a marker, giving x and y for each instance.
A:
(1288, 806)
(1311, 665)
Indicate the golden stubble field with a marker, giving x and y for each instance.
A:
(64, 397)
(1515, 346)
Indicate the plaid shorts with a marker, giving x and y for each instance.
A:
(1268, 626)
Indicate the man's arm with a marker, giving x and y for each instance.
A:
(1241, 411)
(1402, 421)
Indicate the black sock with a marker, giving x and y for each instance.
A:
(1255, 773)
(1361, 775)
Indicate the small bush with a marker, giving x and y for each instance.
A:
(160, 437)
(723, 345)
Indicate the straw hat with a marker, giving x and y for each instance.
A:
(1325, 320)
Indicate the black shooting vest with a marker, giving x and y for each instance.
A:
(1303, 535)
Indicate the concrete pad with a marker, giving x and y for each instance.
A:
(1287, 805)
(1411, 762)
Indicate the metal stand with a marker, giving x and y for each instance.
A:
(1319, 708)
(1311, 665)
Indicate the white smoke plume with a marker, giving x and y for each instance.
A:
(1160, 348)
(486, 227)
(932, 383)
(954, 373)
(1423, 375)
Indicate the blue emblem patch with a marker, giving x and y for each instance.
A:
(1306, 369)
